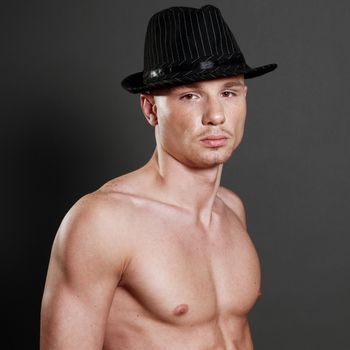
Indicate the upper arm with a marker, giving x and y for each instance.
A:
(234, 202)
(87, 260)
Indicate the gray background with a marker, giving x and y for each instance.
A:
(67, 127)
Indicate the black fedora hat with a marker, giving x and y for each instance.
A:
(184, 45)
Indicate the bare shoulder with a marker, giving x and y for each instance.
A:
(90, 252)
(94, 230)
(234, 203)
(98, 210)
(109, 206)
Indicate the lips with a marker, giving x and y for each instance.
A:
(214, 140)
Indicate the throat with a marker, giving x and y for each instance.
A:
(193, 189)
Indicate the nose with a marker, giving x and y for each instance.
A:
(213, 113)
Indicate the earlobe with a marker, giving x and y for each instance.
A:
(153, 115)
(152, 119)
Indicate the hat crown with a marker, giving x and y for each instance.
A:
(184, 45)
(179, 35)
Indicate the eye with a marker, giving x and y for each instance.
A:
(189, 97)
(229, 93)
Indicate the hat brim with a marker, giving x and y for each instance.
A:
(134, 83)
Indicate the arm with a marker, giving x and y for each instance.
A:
(87, 260)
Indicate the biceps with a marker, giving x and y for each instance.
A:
(72, 320)
(74, 310)
(85, 266)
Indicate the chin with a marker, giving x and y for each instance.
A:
(212, 159)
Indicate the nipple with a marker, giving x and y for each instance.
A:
(180, 309)
(259, 293)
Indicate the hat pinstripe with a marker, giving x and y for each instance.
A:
(184, 45)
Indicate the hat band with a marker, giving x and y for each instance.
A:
(156, 74)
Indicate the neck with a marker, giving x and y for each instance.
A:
(192, 189)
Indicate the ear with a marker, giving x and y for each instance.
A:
(149, 108)
(245, 90)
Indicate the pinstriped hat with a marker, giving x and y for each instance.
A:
(185, 45)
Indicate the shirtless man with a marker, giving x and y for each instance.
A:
(160, 258)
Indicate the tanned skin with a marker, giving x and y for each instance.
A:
(160, 258)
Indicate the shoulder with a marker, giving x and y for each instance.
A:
(111, 204)
(98, 210)
(89, 256)
(94, 230)
(234, 203)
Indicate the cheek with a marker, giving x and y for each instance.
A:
(172, 132)
(241, 120)
(237, 116)
(182, 126)
(239, 125)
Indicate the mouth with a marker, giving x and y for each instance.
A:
(215, 140)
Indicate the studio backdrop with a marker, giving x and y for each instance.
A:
(68, 127)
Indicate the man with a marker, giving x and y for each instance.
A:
(160, 258)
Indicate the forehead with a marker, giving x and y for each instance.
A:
(219, 83)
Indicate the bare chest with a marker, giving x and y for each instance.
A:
(184, 275)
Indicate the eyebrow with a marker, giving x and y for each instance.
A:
(233, 83)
